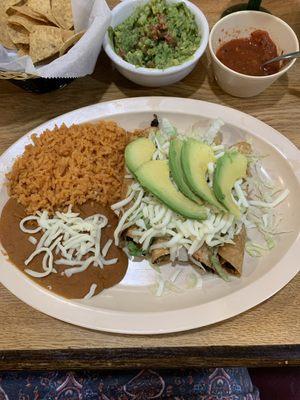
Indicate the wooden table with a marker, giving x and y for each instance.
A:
(269, 334)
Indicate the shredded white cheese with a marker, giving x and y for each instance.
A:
(91, 292)
(106, 247)
(123, 203)
(70, 237)
(32, 240)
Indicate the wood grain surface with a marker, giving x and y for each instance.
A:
(269, 334)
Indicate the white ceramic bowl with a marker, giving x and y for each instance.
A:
(241, 24)
(149, 76)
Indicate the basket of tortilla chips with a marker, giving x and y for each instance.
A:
(42, 30)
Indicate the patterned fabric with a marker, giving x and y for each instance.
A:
(192, 384)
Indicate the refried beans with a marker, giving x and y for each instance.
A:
(77, 286)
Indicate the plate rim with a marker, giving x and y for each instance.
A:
(140, 104)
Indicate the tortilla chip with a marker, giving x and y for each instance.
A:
(25, 21)
(70, 42)
(9, 3)
(160, 256)
(23, 49)
(45, 41)
(42, 8)
(232, 255)
(203, 255)
(62, 12)
(47, 60)
(25, 10)
(5, 38)
(18, 34)
(67, 34)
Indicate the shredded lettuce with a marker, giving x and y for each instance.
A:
(192, 280)
(167, 128)
(171, 281)
(254, 250)
(134, 249)
(218, 268)
(211, 133)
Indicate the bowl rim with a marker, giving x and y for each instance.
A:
(156, 71)
(238, 74)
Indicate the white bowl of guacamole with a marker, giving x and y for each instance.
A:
(156, 43)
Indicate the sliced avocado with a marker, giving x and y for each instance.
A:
(177, 171)
(229, 168)
(138, 152)
(155, 177)
(195, 157)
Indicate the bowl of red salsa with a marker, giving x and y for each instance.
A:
(241, 43)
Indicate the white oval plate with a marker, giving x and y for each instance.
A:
(130, 307)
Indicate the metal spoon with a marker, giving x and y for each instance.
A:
(289, 56)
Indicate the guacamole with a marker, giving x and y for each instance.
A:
(157, 35)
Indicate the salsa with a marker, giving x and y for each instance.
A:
(246, 55)
(157, 35)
